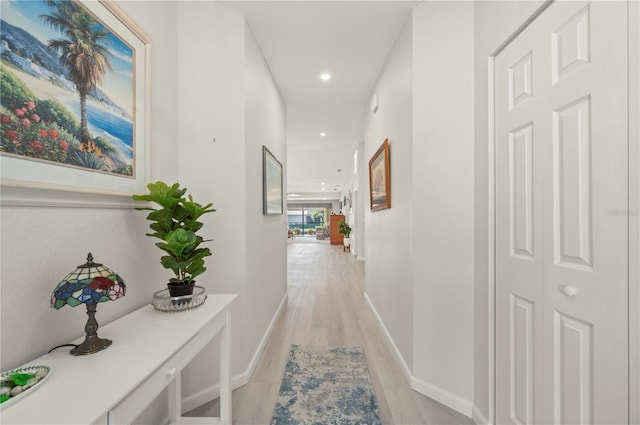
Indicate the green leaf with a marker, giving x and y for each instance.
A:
(193, 225)
(180, 240)
(162, 194)
(196, 268)
(163, 220)
(165, 247)
(196, 210)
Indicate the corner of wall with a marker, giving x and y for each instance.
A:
(443, 165)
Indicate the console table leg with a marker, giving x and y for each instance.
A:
(225, 375)
(175, 398)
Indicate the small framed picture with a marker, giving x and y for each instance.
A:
(380, 178)
(271, 184)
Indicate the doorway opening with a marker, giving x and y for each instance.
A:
(307, 221)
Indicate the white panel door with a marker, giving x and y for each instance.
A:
(561, 231)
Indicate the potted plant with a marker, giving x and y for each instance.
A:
(176, 224)
(345, 229)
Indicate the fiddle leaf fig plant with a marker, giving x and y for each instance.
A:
(176, 224)
(344, 228)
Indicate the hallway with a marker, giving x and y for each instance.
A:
(326, 307)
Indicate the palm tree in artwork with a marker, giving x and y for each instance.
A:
(83, 51)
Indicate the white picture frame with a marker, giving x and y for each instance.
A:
(26, 180)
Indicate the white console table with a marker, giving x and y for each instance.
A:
(114, 386)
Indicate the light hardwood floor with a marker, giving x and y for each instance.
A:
(326, 306)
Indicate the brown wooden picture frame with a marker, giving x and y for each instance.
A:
(380, 178)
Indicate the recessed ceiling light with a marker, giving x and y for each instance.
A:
(323, 183)
(323, 134)
(325, 77)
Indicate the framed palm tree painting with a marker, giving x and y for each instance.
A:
(74, 103)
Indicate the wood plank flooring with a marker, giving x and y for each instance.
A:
(326, 307)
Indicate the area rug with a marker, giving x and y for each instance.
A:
(326, 385)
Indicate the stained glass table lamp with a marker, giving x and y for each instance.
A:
(89, 284)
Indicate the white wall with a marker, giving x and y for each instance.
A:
(40, 246)
(634, 207)
(354, 215)
(361, 199)
(388, 268)
(443, 214)
(266, 238)
(227, 93)
(211, 105)
(494, 22)
(419, 268)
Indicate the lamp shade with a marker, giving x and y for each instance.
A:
(90, 283)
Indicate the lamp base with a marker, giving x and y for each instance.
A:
(90, 345)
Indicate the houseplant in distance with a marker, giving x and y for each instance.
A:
(344, 229)
(176, 224)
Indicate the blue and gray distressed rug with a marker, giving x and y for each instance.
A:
(326, 385)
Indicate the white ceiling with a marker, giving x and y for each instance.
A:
(303, 39)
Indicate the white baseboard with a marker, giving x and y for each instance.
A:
(441, 395)
(213, 392)
(210, 393)
(265, 338)
(396, 352)
(478, 417)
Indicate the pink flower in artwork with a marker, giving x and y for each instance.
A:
(20, 112)
(64, 145)
(35, 117)
(26, 122)
(37, 146)
(6, 119)
(30, 105)
(11, 134)
(54, 134)
(43, 133)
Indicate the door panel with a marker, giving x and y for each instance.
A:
(561, 250)
(572, 185)
(521, 359)
(521, 191)
(573, 380)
